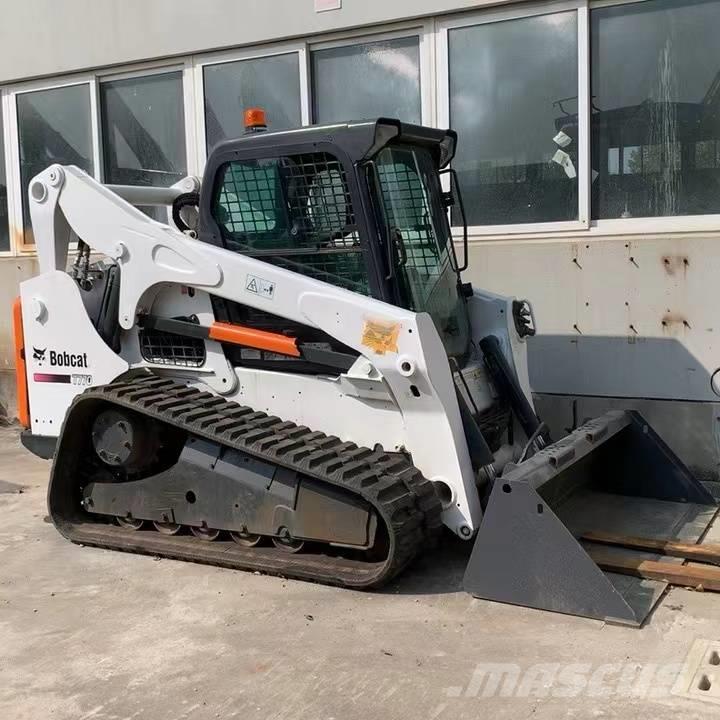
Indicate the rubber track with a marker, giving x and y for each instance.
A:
(398, 492)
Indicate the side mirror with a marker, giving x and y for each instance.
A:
(524, 318)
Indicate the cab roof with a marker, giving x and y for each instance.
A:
(360, 140)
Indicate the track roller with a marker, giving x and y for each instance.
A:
(246, 539)
(205, 533)
(167, 528)
(288, 543)
(129, 522)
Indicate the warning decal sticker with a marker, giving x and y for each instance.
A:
(258, 286)
(381, 336)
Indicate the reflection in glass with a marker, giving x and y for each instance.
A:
(365, 81)
(656, 108)
(513, 101)
(143, 126)
(53, 127)
(409, 186)
(271, 83)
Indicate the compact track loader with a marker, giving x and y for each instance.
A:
(290, 376)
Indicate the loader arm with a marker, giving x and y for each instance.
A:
(410, 358)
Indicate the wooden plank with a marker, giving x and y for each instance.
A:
(672, 548)
(685, 575)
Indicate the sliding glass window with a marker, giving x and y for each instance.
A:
(271, 83)
(656, 109)
(367, 80)
(53, 127)
(513, 94)
(143, 130)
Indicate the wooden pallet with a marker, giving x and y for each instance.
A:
(703, 573)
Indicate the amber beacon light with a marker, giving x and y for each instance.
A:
(254, 119)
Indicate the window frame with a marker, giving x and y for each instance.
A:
(93, 79)
(652, 224)
(143, 70)
(15, 214)
(560, 231)
(425, 32)
(432, 33)
(6, 140)
(201, 61)
(502, 14)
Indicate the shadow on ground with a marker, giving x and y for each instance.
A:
(10, 488)
(439, 571)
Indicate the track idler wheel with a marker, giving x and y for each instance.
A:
(124, 439)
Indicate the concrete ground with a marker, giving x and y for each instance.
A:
(88, 633)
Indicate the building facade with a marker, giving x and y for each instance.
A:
(589, 154)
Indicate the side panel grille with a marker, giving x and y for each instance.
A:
(163, 348)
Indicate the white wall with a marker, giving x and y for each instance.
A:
(12, 272)
(627, 316)
(50, 37)
(586, 358)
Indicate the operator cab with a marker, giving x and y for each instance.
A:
(357, 205)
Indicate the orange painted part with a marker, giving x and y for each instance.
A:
(23, 403)
(258, 339)
(254, 117)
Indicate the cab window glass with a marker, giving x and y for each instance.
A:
(293, 211)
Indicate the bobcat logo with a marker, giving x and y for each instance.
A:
(39, 355)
